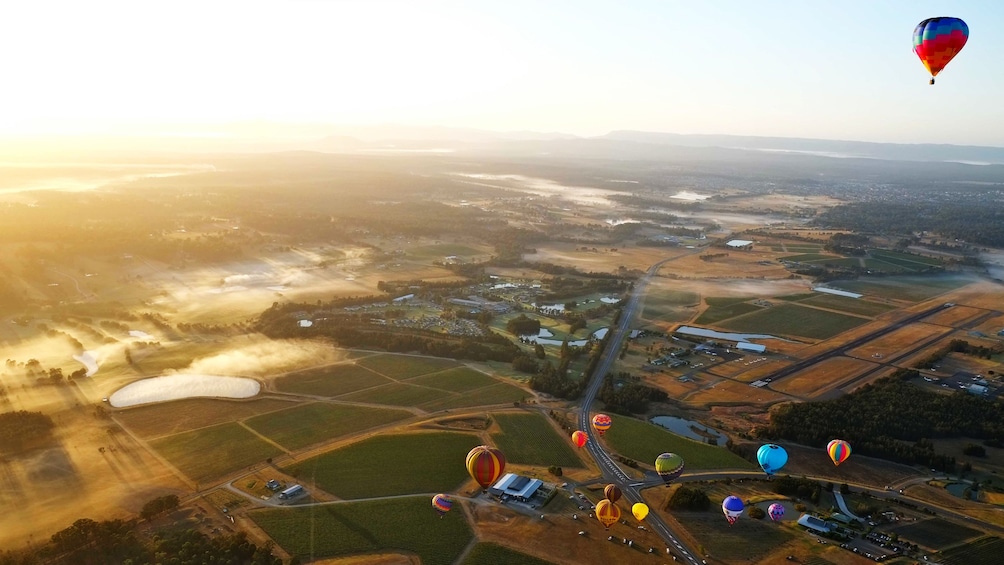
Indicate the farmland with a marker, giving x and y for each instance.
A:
(936, 533)
(908, 288)
(405, 524)
(330, 381)
(166, 418)
(789, 319)
(405, 366)
(494, 553)
(501, 393)
(461, 379)
(233, 447)
(390, 465)
(529, 439)
(984, 551)
(849, 305)
(644, 442)
(748, 538)
(308, 424)
(397, 394)
(724, 308)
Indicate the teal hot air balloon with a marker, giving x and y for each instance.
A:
(669, 466)
(771, 458)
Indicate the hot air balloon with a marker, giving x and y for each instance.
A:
(579, 438)
(607, 513)
(775, 511)
(937, 40)
(640, 510)
(771, 458)
(485, 464)
(839, 451)
(732, 507)
(612, 493)
(442, 503)
(601, 423)
(669, 466)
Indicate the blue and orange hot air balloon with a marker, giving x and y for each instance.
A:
(839, 451)
(485, 464)
(601, 423)
(579, 438)
(937, 40)
(442, 503)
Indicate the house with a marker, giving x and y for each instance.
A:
(815, 524)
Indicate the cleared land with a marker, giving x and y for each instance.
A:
(936, 533)
(168, 418)
(409, 524)
(643, 442)
(897, 342)
(955, 316)
(789, 319)
(461, 379)
(731, 392)
(232, 447)
(529, 439)
(493, 553)
(406, 366)
(330, 381)
(747, 539)
(390, 465)
(821, 377)
(308, 424)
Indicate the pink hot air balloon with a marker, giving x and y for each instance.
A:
(775, 511)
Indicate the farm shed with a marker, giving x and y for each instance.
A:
(740, 244)
(747, 346)
(516, 486)
(814, 524)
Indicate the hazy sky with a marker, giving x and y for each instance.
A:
(810, 68)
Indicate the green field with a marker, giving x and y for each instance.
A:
(643, 442)
(984, 551)
(714, 314)
(494, 554)
(852, 262)
(390, 465)
(166, 418)
(796, 297)
(398, 394)
(660, 303)
(232, 447)
(803, 248)
(913, 288)
(905, 258)
(330, 381)
(936, 533)
(789, 319)
(461, 379)
(529, 439)
(809, 258)
(307, 424)
(747, 540)
(849, 305)
(879, 265)
(406, 366)
(501, 393)
(377, 526)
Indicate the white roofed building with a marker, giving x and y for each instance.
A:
(754, 347)
(516, 486)
(739, 244)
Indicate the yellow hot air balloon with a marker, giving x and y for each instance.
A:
(640, 510)
(607, 513)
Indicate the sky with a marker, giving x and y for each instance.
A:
(820, 69)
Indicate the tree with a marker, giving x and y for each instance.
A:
(757, 513)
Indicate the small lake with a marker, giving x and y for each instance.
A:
(958, 489)
(689, 429)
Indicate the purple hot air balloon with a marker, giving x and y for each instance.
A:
(775, 511)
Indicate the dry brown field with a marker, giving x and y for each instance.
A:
(958, 362)
(991, 326)
(672, 385)
(738, 265)
(603, 260)
(897, 342)
(955, 316)
(760, 370)
(372, 559)
(883, 372)
(822, 377)
(978, 294)
(731, 392)
(858, 469)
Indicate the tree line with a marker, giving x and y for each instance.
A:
(972, 222)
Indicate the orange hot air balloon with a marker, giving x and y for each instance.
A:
(579, 438)
(612, 493)
(601, 423)
(839, 451)
(607, 513)
(485, 464)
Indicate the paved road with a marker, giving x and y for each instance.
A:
(611, 472)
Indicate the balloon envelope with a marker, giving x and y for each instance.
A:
(776, 512)
(612, 493)
(601, 423)
(669, 466)
(938, 40)
(442, 503)
(485, 464)
(839, 450)
(732, 507)
(771, 458)
(607, 512)
(640, 510)
(579, 438)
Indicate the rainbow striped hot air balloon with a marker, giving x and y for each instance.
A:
(579, 438)
(937, 41)
(839, 451)
(607, 513)
(775, 511)
(485, 464)
(601, 423)
(442, 503)
(669, 466)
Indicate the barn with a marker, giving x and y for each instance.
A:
(518, 487)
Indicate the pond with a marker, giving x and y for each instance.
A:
(959, 490)
(690, 429)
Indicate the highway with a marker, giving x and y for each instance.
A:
(611, 472)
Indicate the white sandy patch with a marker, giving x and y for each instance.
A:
(691, 196)
(176, 387)
(89, 360)
(140, 334)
